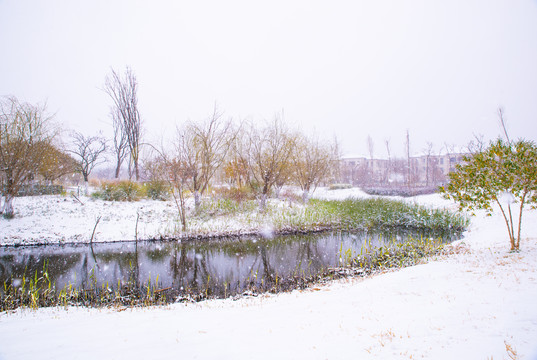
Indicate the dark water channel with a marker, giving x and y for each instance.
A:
(216, 267)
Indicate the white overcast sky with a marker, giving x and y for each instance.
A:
(348, 68)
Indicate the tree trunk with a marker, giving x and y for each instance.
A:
(118, 169)
(86, 184)
(522, 201)
(197, 200)
(8, 206)
(305, 196)
(179, 199)
(263, 202)
(512, 228)
(130, 168)
(508, 224)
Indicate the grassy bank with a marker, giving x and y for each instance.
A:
(221, 217)
(36, 290)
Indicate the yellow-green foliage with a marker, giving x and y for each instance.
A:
(124, 190)
(157, 190)
(502, 174)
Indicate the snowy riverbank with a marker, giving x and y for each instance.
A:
(478, 303)
(54, 219)
(471, 305)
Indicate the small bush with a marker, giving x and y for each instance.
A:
(339, 186)
(94, 182)
(125, 190)
(157, 190)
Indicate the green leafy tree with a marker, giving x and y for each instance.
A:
(504, 174)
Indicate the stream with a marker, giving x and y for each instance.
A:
(218, 268)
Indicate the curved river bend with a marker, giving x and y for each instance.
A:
(214, 267)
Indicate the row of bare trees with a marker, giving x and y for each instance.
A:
(30, 146)
(262, 158)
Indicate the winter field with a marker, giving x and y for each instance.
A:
(479, 302)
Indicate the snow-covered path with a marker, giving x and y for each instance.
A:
(474, 304)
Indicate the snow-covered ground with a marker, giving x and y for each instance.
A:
(478, 303)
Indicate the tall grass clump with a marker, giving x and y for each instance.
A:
(381, 214)
(34, 291)
(320, 215)
(38, 291)
(397, 254)
(390, 255)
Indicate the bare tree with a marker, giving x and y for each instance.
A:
(503, 124)
(121, 145)
(177, 175)
(203, 148)
(88, 151)
(409, 165)
(311, 163)
(123, 92)
(335, 166)
(25, 129)
(371, 175)
(428, 153)
(476, 145)
(268, 153)
(370, 146)
(286, 175)
(389, 166)
(169, 166)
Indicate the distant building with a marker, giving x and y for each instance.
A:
(418, 171)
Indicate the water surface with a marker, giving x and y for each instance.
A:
(220, 267)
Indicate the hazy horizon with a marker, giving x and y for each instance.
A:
(350, 69)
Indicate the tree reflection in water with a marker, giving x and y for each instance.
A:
(210, 267)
